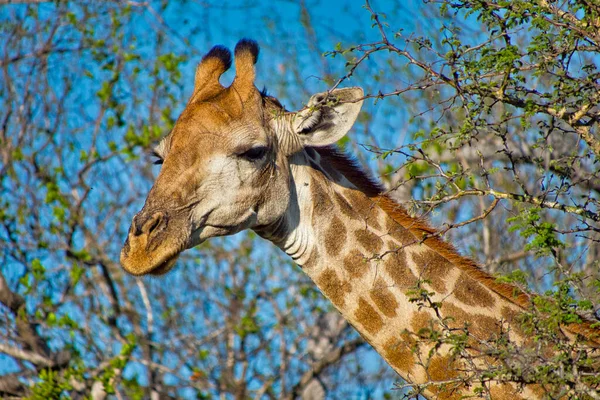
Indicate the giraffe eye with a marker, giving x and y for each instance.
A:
(158, 160)
(254, 153)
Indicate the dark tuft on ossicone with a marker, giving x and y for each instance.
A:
(248, 45)
(222, 53)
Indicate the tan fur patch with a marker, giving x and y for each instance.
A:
(480, 326)
(420, 321)
(399, 233)
(434, 268)
(399, 354)
(538, 390)
(442, 368)
(396, 266)
(345, 207)
(369, 241)
(504, 391)
(356, 264)
(371, 217)
(384, 299)
(335, 238)
(359, 201)
(368, 317)
(321, 198)
(472, 293)
(333, 287)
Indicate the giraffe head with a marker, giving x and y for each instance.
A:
(226, 163)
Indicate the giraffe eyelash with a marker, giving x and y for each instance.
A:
(159, 160)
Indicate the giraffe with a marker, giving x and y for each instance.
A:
(236, 159)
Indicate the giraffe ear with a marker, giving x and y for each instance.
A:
(328, 116)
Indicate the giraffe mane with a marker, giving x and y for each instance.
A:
(351, 169)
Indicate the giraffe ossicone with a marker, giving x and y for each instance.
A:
(236, 159)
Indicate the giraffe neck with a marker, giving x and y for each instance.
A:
(368, 265)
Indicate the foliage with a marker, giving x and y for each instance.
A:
(86, 91)
(505, 147)
(483, 118)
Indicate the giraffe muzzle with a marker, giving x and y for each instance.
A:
(150, 248)
(149, 224)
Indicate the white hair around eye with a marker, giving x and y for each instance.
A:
(160, 148)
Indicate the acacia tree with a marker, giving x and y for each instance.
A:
(87, 89)
(499, 148)
(504, 154)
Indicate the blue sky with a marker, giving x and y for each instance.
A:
(225, 22)
(293, 39)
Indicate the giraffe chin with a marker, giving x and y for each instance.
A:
(165, 266)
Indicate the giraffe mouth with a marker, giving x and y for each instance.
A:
(139, 263)
(165, 266)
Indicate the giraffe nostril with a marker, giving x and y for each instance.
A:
(144, 224)
(154, 223)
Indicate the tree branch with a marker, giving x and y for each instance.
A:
(328, 359)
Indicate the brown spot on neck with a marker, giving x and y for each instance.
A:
(359, 201)
(384, 299)
(421, 322)
(369, 241)
(345, 207)
(335, 237)
(433, 268)
(368, 317)
(396, 265)
(371, 216)
(333, 287)
(399, 354)
(443, 368)
(511, 316)
(472, 293)
(399, 233)
(505, 391)
(356, 264)
(480, 326)
(324, 207)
